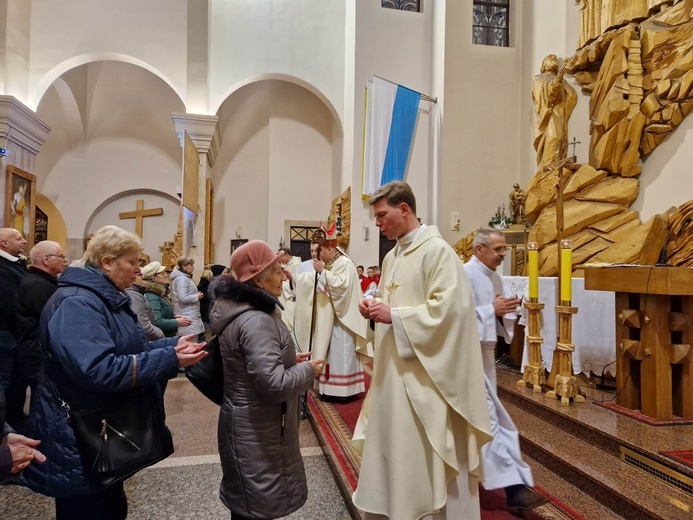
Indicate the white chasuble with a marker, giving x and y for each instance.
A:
(425, 418)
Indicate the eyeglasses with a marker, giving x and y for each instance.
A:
(498, 250)
(59, 256)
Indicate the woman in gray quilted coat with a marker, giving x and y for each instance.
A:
(263, 473)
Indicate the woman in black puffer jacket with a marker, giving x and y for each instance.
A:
(264, 477)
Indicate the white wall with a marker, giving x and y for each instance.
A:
(16, 21)
(251, 39)
(274, 164)
(65, 34)
(300, 159)
(665, 180)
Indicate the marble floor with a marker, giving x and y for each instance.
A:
(186, 485)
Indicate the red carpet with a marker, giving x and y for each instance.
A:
(639, 416)
(682, 456)
(334, 425)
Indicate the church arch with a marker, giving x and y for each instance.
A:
(280, 155)
(290, 79)
(49, 78)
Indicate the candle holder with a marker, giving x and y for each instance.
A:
(565, 384)
(534, 374)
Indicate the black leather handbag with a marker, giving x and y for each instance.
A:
(118, 440)
(207, 375)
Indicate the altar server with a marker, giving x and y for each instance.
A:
(495, 312)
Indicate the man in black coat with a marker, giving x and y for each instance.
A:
(12, 270)
(35, 289)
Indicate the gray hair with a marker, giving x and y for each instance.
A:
(262, 275)
(43, 248)
(110, 242)
(483, 236)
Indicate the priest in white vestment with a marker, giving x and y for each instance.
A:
(496, 314)
(339, 330)
(425, 418)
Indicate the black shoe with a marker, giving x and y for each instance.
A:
(524, 501)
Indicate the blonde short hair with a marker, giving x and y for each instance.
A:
(110, 242)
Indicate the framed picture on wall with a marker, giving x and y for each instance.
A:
(20, 203)
(236, 243)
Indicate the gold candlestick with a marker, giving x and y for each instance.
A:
(565, 385)
(534, 374)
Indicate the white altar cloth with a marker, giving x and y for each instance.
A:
(594, 330)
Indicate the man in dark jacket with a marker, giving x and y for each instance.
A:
(35, 289)
(12, 270)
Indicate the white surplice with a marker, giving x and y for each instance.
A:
(503, 464)
(486, 284)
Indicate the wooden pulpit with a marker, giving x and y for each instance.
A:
(654, 332)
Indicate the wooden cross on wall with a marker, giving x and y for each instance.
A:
(139, 215)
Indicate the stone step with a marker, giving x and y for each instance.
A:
(600, 426)
(570, 496)
(592, 464)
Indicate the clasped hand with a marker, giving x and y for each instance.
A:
(375, 310)
(189, 353)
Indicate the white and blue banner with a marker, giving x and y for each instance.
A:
(391, 112)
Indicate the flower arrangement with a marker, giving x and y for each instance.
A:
(500, 220)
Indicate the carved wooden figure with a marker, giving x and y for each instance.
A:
(554, 101)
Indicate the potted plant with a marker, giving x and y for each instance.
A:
(500, 220)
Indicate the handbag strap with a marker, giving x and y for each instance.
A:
(63, 404)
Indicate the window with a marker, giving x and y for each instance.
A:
(491, 22)
(402, 5)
